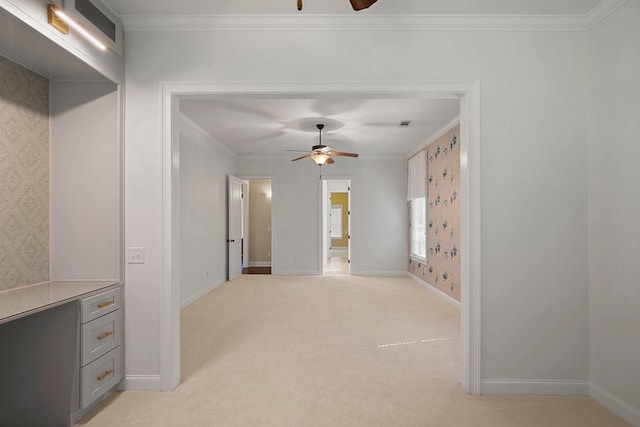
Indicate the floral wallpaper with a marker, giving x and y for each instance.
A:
(442, 268)
(24, 176)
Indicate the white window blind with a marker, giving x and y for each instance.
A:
(417, 176)
(336, 222)
(418, 210)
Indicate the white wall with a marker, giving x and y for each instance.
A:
(534, 193)
(614, 209)
(204, 166)
(85, 181)
(378, 206)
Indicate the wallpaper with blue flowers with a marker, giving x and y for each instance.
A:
(442, 268)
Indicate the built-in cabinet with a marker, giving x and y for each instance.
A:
(100, 344)
(61, 350)
(68, 352)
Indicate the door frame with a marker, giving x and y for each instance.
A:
(324, 184)
(261, 178)
(468, 92)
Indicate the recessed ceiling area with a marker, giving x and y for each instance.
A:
(384, 7)
(269, 126)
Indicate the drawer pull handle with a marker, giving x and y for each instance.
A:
(106, 304)
(105, 374)
(104, 335)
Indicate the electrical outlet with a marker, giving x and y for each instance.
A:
(135, 255)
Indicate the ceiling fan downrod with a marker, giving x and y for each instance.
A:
(320, 126)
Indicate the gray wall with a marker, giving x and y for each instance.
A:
(614, 209)
(204, 166)
(533, 178)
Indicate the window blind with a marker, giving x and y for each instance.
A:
(417, 176)
(418, 209)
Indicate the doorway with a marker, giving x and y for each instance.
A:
(336, 226)
(256, 227)
(469, 95)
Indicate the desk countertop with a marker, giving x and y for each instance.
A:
(26, 300)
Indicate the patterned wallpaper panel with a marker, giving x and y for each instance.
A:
(442, 268)
(24, 176)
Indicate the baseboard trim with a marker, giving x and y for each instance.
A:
(141, 383)
(379, 273)
(200, 294)
(259, 263)
(435, 291)
(616, 405)
(295, 273)
(533, 387)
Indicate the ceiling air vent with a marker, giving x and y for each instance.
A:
(405, 123)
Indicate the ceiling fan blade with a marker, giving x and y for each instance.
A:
(340, 153)
(330, 161)
(298, 151)
(361, 4)
(303, 157)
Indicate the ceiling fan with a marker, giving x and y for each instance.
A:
(356, 4)
(320, 153)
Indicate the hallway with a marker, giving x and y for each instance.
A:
(337, 263)
(330, 351)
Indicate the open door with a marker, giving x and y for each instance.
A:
(234, 239)
(336, 226)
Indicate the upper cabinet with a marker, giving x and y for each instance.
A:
(27, 38)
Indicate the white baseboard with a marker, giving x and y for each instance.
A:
(379, 273)
(435, 291)
(295, 273)
(259, 263)
(539, 387)
(615, 404)
(140, 383)
(200, 294)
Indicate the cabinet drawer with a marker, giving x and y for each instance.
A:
(99, 376)
(101, 304)
(101, 336)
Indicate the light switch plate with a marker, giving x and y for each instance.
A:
(135, 255)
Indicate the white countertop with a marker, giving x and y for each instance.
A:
(25, 300)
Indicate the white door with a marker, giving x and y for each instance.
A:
(234, 239)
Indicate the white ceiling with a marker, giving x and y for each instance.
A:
(268, 126)
(464, 7)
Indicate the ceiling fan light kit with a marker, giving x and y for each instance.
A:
(321, 154)
(356, 4)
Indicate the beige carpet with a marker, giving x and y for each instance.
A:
(329, 351)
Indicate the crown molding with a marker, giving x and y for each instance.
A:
(292, 22)
(601, 11)
(204, 133)
(351, 22)
(433, 138)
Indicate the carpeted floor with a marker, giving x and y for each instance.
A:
(329, 351)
